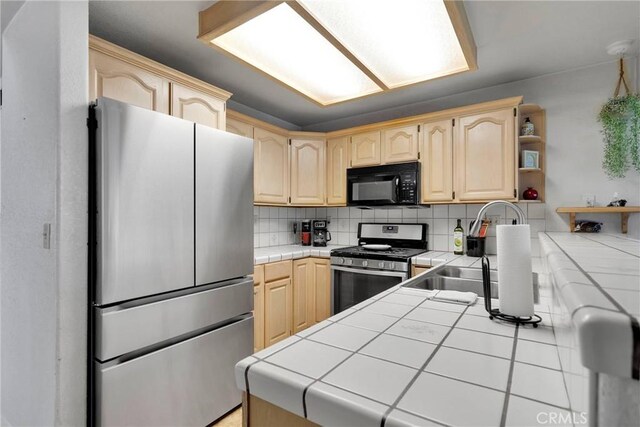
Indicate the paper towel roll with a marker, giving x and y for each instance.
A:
(515, 278)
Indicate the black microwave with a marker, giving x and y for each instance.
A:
(384, 185)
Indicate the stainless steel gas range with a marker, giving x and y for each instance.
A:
(381, 260)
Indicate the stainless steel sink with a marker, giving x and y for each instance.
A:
(464, 279)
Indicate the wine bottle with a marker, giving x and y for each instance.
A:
(458, 239)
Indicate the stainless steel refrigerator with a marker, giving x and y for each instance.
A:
(171, 249)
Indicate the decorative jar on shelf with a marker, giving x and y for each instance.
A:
(527, 128)
(530, 194)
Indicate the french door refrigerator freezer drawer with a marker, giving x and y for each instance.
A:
(123, 328)
(187, 384)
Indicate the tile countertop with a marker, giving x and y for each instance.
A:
(279, 253)
(400, 359)
(597, 276)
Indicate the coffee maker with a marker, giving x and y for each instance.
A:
(320, 233)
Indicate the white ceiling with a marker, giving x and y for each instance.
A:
(515, 39)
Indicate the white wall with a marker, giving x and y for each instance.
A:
(574, 143)
(43, 180)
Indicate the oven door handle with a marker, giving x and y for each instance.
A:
(401, 274)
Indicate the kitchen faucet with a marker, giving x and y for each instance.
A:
(478, 222)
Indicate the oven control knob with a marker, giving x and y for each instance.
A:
(365, 263)
(392, 265)
(340, 260)
(381, 264)
(348, 261)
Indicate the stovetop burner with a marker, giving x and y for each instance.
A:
(399, 254)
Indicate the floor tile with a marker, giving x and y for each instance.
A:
(344, 336)
(381, 381)
(400, 350)
(494, 345)
(526, 413)
(446, 318)
(309, 358)
(538, 383)
(538, 354)
(453, 402)
(326, 405)
(387, 308)
(419, 330)
(484, 324)
(371, 321)
(476, 368)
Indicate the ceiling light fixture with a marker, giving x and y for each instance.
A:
(333, 51)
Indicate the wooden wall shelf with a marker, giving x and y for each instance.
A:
(623, 211)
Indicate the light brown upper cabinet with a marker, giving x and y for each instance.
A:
(197, 107)
(485, 156)
(337, 164)
(365, 149)
(239, 128)
(400, 144)
(125, 76)
(270, 167)
(437, 162)
(307, 171)
(119, 80)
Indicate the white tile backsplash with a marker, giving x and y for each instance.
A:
(271, 224)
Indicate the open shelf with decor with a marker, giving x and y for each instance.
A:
(531, 149)
(624, 212)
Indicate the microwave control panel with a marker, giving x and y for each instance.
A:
(408, 188)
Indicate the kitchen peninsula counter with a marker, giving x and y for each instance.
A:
(401, 359)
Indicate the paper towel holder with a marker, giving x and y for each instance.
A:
(495, 313)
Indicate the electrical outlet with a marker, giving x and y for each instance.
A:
(493, 219)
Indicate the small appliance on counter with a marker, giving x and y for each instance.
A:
(320, 233)
(305, 233)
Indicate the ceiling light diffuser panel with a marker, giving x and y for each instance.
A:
(336, 50)
(400, 41)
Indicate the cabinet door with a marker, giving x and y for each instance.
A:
(271, 168)
(416, 269)
(437, 162)
(322, 279)
(400, 144)
(258, 308)
(277, 311)
(337, 164)
(116, 79)
(303, 294)
(485, 159)
(197, 107)
(307, 171)
(239, 128)
(365, 149)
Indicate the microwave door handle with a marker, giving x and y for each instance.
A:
(397, 183)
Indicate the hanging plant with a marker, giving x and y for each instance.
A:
(620, 119)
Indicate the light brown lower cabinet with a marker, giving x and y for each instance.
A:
(303, 295)
(258, 308)
(418, 269)
(322, 277)
(277, 311)
(289, 296)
